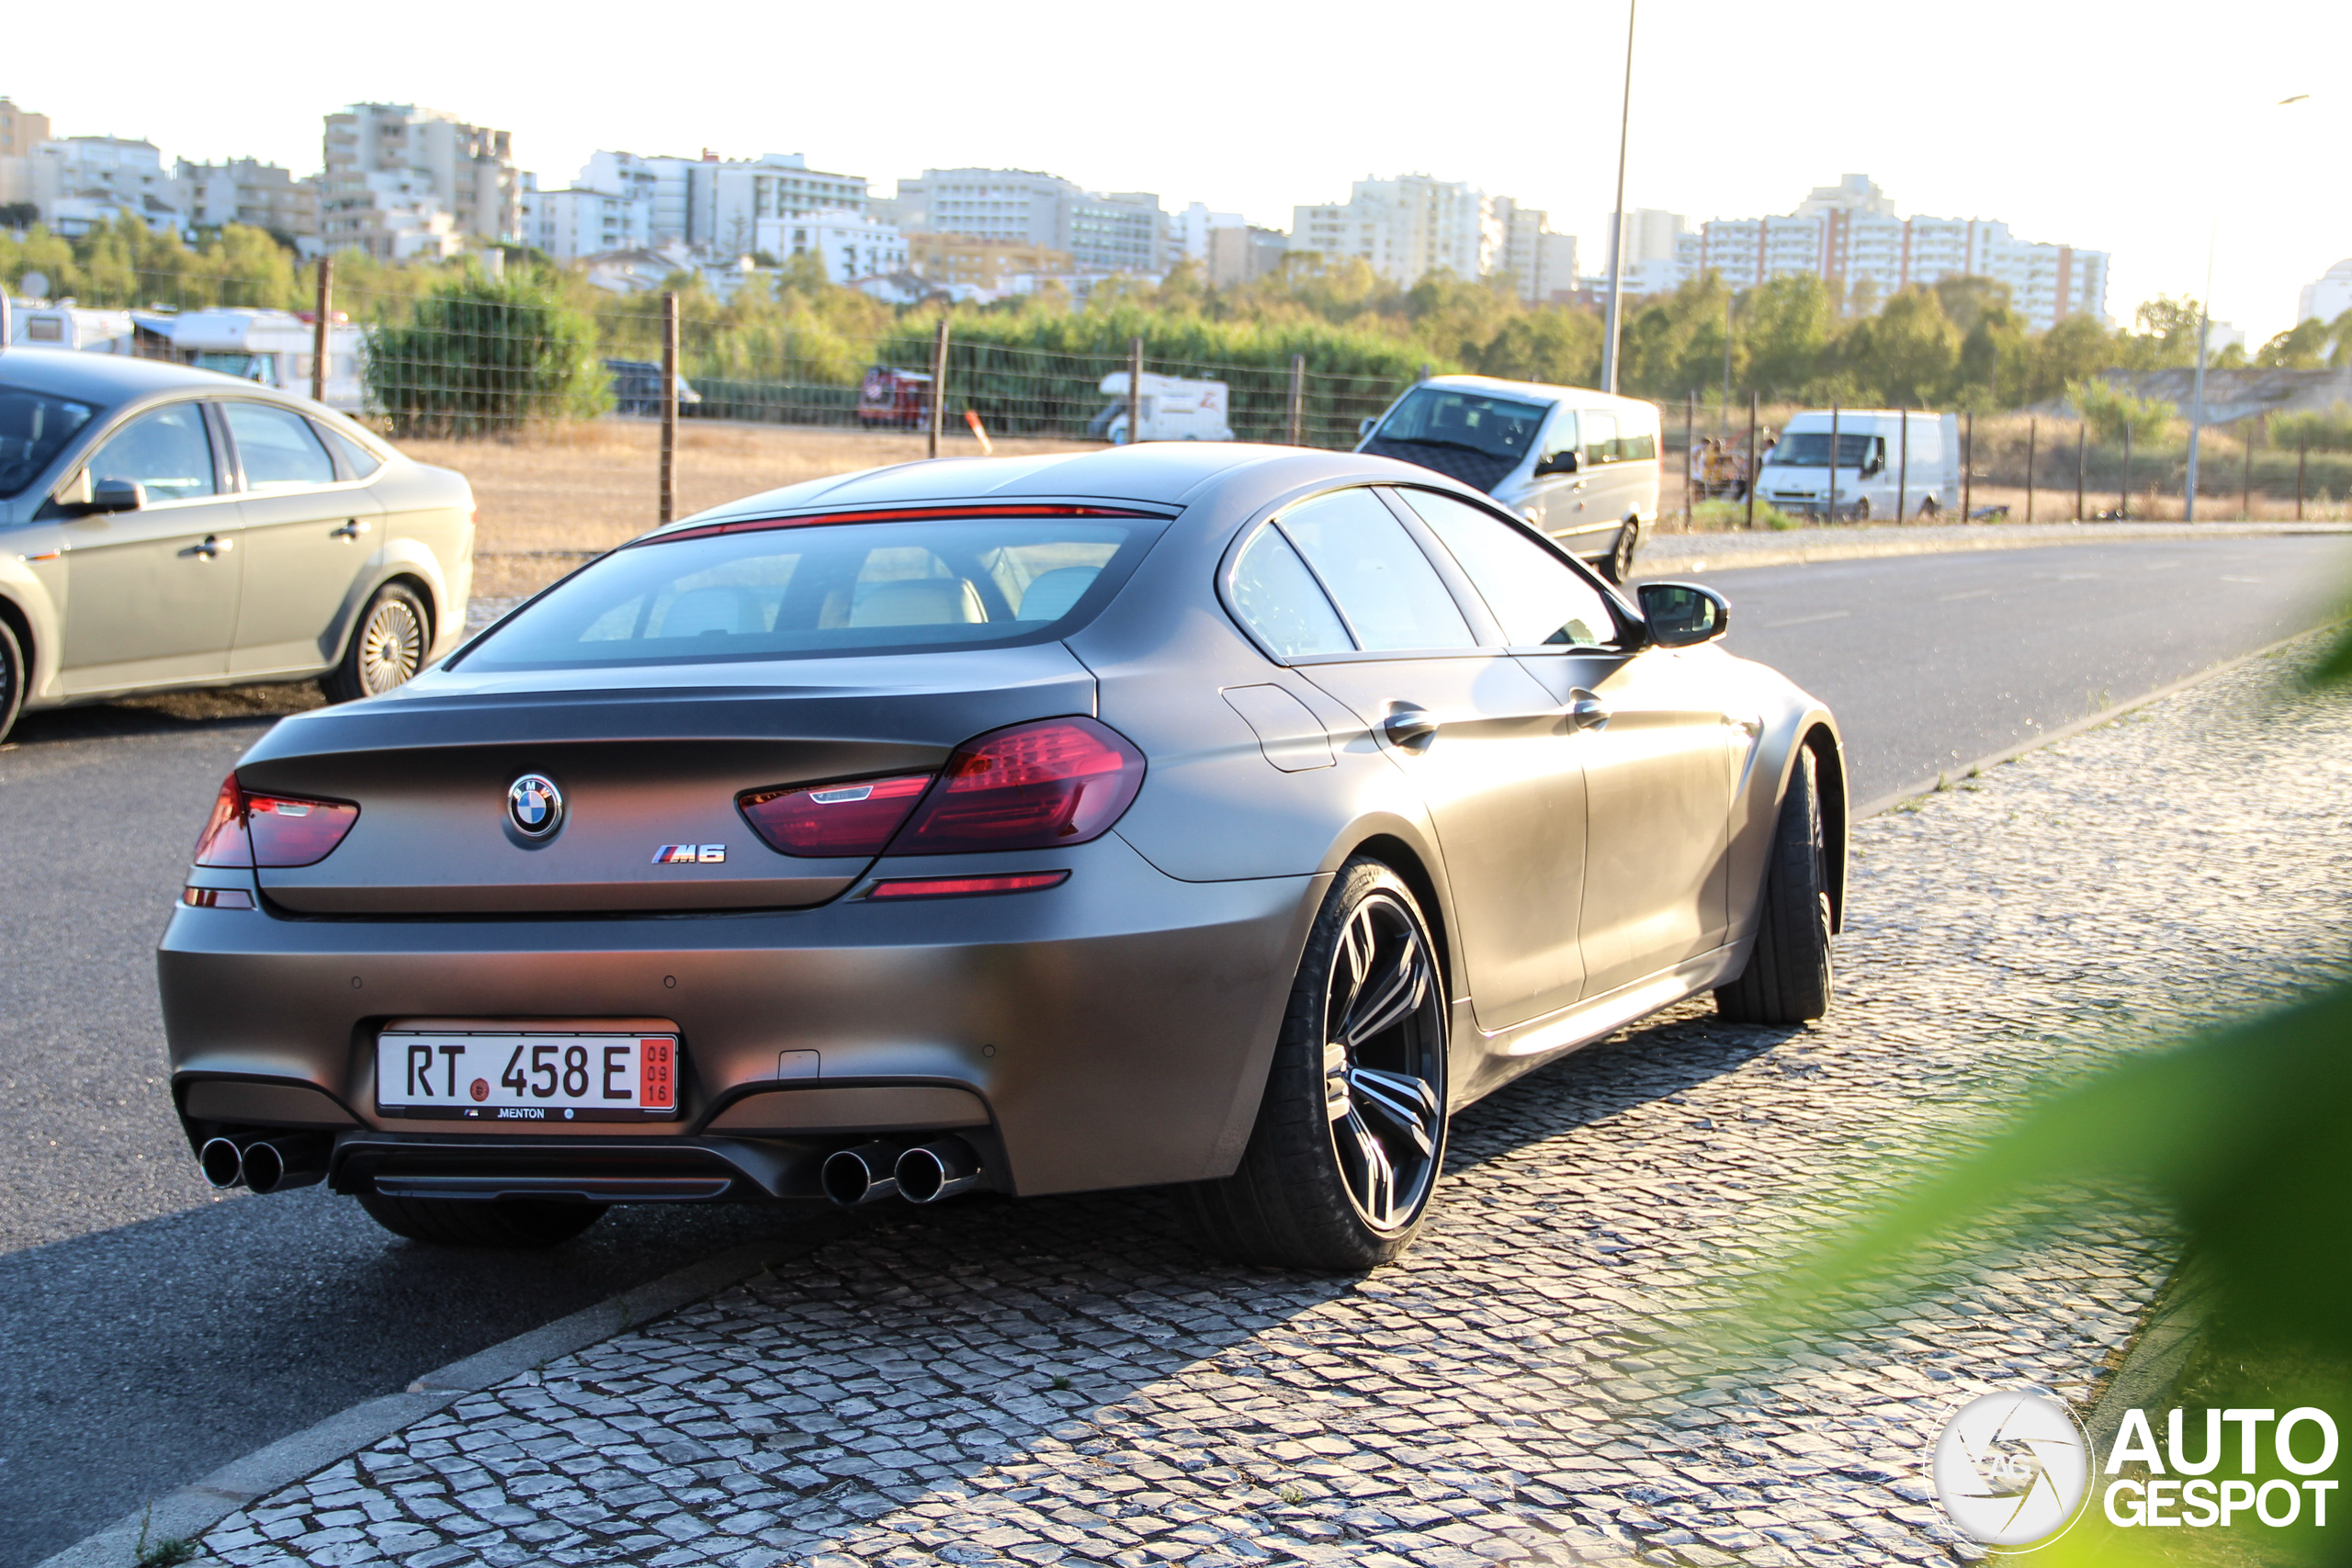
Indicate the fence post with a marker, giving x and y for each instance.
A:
(320, 338)
(2123, 496)
(2302, 453)
(1298, 400)
(1833, 412)
(1752, 475)
(2030, 434)
(668, 406)
(2245, 486)
(1690, 467)
(2082, 456)
(1902, 462)
(1424, 375)
(938, 382)
(1135, 391)
(1968, 466)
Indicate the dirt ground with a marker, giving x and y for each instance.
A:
(546, 501)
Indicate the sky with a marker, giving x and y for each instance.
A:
(2151, 132)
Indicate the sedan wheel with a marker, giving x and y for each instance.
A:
(1788, 979)
(1352, 1132)
(386, 649)
(12, 679)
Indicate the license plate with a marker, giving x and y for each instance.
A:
(466, 1076)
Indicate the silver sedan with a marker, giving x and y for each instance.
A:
(163, 527)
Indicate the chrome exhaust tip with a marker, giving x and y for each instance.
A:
(866, 1174)
(275, 1165)
(937, 1169)
(223, 1165)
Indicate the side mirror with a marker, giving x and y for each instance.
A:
(1876, 466)
(1683, 615)
(116, 495)
(1561, 462)
(1364, 428)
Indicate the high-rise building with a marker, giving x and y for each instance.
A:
(391, 167)
(2328, 296)
(1189, 231)
(575, 223)
(81, 183)
(21, 131)
(246, 191)
(1407, 228)
(1849, 235)
(717, 204)
(1237, 255)
(1120, 232)
(1543, 264)
(849, 245)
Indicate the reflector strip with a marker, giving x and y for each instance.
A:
(902, 515)
(965, 886)
(216, 898)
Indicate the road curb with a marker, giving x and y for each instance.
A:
(187, 1512)
(1888, 802)
(1733, 552)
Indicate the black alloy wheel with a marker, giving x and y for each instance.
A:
(1351, 1135)
(12, 679)
(387, 648)
(1789, 978)
(1617, 566)
(513, 1224)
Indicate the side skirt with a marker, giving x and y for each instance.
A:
(1507, 1054)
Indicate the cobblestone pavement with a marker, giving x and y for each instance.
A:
(1065, 1381)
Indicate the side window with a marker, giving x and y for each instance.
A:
(1392, 599)
(1600, 437)
(277, 447)
(1638, 448)
(1538, 599)
(1561, 436)
(167, 451)
(356, 461)
(1276, 596)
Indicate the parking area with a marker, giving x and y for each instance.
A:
(1067, 1381)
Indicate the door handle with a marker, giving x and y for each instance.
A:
(214, 544)
(1408, 727)
(350, 530)
(1587, 711)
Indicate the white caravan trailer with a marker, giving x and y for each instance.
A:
(1173, 410)
(1873, 479)
(272, 347)
(64, 324)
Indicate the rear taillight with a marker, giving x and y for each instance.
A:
(1034, 786)
(835, 818)
(247, 829)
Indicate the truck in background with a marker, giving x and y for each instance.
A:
(897, 399)
(64, 324)
(1173, 410)
(1873, 477)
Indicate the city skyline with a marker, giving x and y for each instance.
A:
(2044, 173)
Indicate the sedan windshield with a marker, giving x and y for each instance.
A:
(1809, 449)
(824, 588)
(34, 427)
(1440, 416)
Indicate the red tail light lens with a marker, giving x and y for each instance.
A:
(832, 819)
(961, 887)
(1034, 786)
(275, 831)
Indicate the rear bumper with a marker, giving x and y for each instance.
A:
(1111, 1032)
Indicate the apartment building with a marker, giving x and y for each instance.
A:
(1239, 255)
(1103, 232)
(1541, 264)
(81, 183)
(717, 204)
(972, 261)
(247, 191)
(392, 170)
(1407, 228)
(2327, 296)
(850, 245)
(21, 131)
(576, 222)
(1851, 236)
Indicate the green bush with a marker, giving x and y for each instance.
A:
(2328, 430)
(2110, 410)
(484, 357)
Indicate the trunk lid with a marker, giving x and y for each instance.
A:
(641, 760)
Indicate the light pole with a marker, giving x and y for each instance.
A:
(2197, 393)
(1617, 224)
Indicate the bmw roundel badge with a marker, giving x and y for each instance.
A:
(534, 805)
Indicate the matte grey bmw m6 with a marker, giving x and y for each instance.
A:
(1220, 817)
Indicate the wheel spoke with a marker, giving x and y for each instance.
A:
(1408, 1103)
(1398, 993)
(1375, 1176)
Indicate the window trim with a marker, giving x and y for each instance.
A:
(1631, 635)
(235, 459)
(78, 467)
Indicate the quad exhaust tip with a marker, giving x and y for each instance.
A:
(223, 1162)
(923, 1174)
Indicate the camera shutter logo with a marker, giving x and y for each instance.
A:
(534, 804)
(2012, 1469)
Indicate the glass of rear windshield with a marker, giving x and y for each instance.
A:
(824, 588)
(35, 427)
(1438, 416)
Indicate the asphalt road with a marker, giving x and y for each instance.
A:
(151, 1329)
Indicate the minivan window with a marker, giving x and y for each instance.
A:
(1474, 421)
(35, 427)
(1392, 599)
(1599, 437)
(822, 589)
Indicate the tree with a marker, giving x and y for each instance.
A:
(1969, 299)
(480, 356)
(1785, 325)
(2302, 346)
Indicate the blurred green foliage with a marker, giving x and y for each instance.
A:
(480, 356)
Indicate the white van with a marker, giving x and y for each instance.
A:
(1871, 476)
(1173, 410)
(1579, 465)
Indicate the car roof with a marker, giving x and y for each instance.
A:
(104, 379)
(1163, 473)
(1583, 397)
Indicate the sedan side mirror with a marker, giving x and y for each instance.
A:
(1683, 615)
(116, 495)
(1563, 462)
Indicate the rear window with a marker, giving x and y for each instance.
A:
(825, 589)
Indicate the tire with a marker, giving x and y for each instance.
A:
(1618, 564)
(12, 679)
(1788, 979)
(1863, 510)
(387, 647)
(1344, 1192)
(517, 1224)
